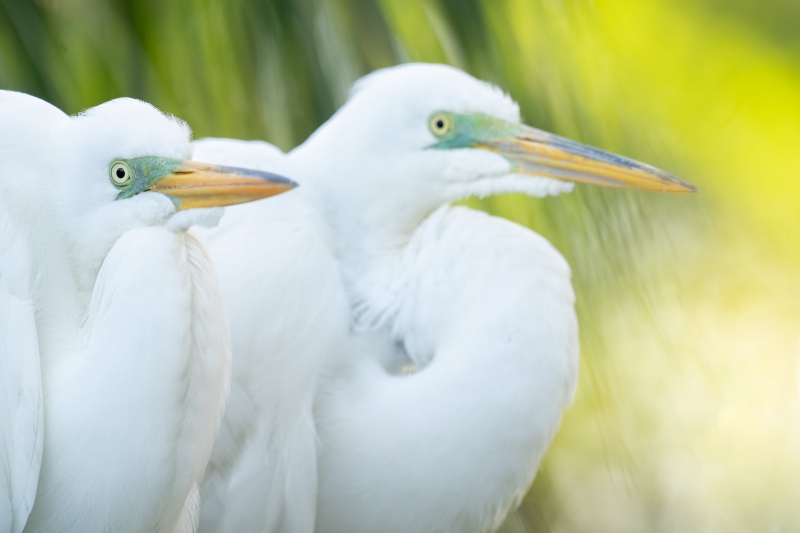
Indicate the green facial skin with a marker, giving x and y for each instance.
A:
(468, 131)
(145, 172)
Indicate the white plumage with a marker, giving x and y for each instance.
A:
(114, 347)
(287, 309)
(455, 446)
(482, 307)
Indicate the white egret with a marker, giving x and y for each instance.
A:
(262, 472)
(484, 307)
(114, 348)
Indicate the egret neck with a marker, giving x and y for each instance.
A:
(487, 309)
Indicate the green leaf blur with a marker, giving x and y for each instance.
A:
(687, 416)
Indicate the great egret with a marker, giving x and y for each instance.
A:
(103, 290)
(262, 472)
(484, 307)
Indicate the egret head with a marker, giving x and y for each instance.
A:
(124, 164)
(417, 136)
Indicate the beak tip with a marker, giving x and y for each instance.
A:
(277, 180)
(683, 186)
(291, 184)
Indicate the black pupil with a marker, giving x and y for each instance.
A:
(440, 124)
(120, 172)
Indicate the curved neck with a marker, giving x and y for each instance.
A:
(368, 217)
(491, 306)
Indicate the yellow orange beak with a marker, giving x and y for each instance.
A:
(540, 153)
(193, 185)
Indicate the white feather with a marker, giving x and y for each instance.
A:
(370, 269)
(123, 317)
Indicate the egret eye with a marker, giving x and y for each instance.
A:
(440, 124)
(120, 173)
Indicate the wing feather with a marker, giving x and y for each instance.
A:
(282, 290)
(27, 123)
(21, 408)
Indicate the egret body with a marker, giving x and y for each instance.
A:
(287, 310)
(115, 354)
(484, 308)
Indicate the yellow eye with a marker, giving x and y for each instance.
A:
(120, 173)
(440, 124)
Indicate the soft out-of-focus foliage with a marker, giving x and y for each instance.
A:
(687, 415)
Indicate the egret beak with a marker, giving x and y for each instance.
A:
(191, 185)
(539, 153)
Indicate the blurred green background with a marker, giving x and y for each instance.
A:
(687, 416)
